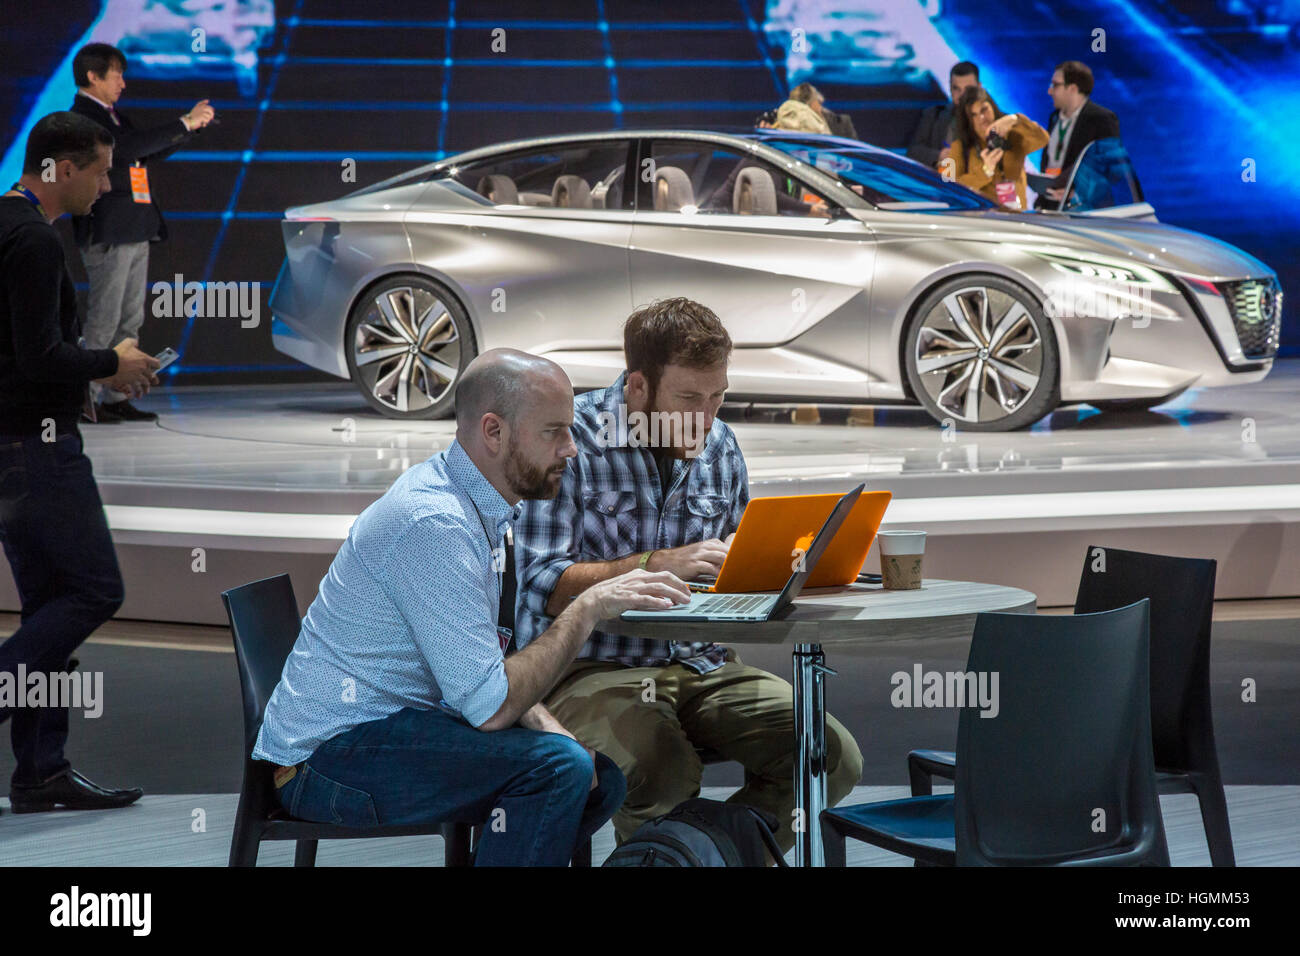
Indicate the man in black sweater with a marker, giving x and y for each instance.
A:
(52, 522)
(934, 133)
(115, 237)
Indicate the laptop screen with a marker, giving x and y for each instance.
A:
(818, 547)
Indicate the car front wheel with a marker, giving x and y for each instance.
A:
(981, 354)
(408, 340)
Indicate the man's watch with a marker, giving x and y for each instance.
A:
(645, 559)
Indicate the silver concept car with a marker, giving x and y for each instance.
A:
(843, 272)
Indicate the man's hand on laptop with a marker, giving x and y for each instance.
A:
(692, 561)
(635, 591)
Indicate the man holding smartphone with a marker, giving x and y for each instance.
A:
(52, 522)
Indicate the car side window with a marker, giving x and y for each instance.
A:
(583, 176)
(705, 179)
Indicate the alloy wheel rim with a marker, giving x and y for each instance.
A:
(407, 349)
(978, 354)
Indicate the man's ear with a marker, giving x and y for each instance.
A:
(638, 387)
(493, 429)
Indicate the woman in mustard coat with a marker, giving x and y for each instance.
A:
(995, 172)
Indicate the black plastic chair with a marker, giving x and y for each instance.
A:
(1181, 591)
(582, 856)
(264, 622)
(1063, 775)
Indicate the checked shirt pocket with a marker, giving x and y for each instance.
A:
(323, 800)
(705, 517)
(611, 523)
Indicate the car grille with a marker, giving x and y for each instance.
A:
(1256, 309)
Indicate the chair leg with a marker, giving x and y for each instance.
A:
(305, 853)
(582, 855)
(457, 838)
(833, 849)
(1214, 817)
(244, 843)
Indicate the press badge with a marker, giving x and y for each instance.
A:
(1007, 195)
(140, 184)
(504, 634)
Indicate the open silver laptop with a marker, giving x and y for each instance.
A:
(758, 607)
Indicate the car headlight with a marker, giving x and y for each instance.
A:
(1102, 269)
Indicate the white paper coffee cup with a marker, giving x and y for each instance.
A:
(901, 542)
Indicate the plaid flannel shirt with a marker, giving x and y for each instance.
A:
(611, 504)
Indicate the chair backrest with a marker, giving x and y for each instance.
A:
(1063, 770)
(264, 623)
(1181, 592)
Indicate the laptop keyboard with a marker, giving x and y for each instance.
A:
(733, 603)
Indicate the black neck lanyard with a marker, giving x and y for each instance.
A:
(30, 197)
(492, 546)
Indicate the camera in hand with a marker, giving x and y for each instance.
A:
(994, 141)
(769, 117)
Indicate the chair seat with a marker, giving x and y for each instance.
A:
(920, 827)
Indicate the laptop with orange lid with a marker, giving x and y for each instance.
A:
(775, 531)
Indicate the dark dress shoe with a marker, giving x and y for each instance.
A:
(71, 791)
(127, 412)
(103, 416)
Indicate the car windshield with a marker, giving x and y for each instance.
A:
(881, 178)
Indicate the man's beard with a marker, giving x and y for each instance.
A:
(672, 439)
(527, 480)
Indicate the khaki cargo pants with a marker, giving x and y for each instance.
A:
(652, 731)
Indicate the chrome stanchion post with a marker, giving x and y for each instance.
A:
(810, 671)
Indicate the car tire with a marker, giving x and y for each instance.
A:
(1133, 404)
(990, 327)
(408, 340)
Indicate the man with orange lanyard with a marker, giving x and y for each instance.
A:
(114, 239)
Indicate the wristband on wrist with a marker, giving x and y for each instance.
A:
(645, 559)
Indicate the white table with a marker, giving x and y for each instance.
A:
(857, 613)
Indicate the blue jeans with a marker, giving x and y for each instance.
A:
(532, 789)
(57, 541)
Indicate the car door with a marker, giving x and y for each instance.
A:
(720, 225)
(537, 240)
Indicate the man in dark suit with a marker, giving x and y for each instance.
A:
(840, 124)
(934, 132)
(1076, 122)
(114, 239)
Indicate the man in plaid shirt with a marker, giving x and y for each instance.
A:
(659, 483)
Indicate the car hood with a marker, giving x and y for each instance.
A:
(1153, 244)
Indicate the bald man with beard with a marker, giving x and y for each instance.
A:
(399, 703)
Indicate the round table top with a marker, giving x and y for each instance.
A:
(857, 612)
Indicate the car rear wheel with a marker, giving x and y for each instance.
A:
(980, 353)
(408, 340)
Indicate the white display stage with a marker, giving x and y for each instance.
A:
(234, 483)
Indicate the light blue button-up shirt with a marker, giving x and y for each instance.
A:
(405, 617)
